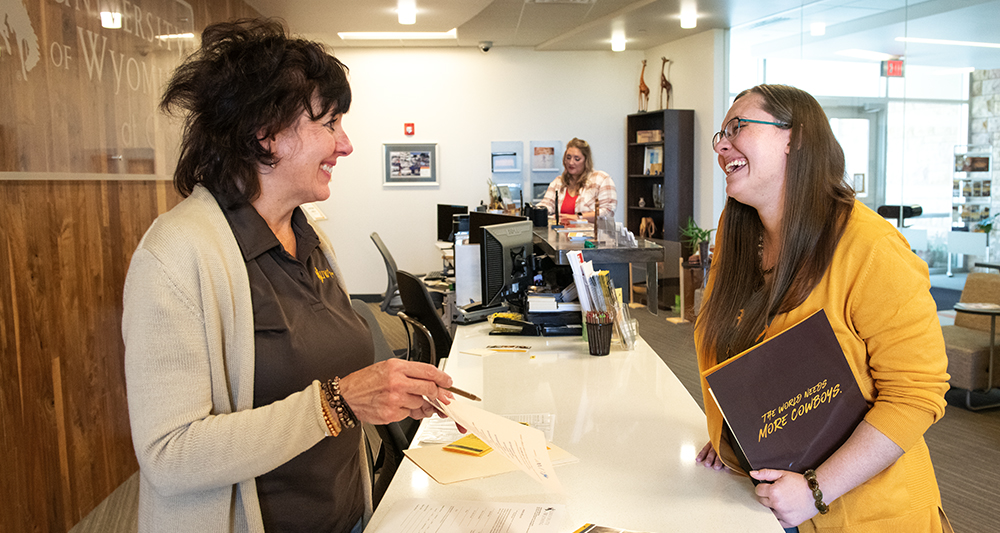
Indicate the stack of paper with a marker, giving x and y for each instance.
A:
(542, 302)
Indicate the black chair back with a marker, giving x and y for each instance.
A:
(390, 301)
(395, 436)
(418, 304)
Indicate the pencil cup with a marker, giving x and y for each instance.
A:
(599, 338)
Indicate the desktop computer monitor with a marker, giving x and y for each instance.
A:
(506, 260)
(478, 220)
(445, 221)
(459, 224)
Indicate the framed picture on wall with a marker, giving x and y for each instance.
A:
(409, 164)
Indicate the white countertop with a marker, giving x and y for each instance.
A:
(628, 419)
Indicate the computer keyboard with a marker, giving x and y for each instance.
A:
(436, 275)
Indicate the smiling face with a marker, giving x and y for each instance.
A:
(754, 161)
(574, 161)
(307, 151)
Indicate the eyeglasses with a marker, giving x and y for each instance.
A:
(734, 126)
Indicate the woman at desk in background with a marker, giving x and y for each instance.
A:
(580, 188)
(793, 240)
(236, 317)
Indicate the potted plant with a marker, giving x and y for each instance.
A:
(986, 226)
(697, 238)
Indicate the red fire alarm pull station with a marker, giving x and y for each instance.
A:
(408, 128)
(892, 68)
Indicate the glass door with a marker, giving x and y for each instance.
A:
(860, 130)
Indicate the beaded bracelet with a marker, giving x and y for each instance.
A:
(344, 413)
(332, 424)
(810, 476)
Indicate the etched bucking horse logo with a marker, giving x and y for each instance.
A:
(17, 33)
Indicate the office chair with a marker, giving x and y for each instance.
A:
(419, 308)
(390, 301)
(419, 340)
(395, 436)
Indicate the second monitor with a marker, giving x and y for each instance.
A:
(445, 220)
(479, 220)
(506, 256)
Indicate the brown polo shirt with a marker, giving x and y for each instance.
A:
(304, 329)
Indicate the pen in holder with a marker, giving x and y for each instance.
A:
(600, 325)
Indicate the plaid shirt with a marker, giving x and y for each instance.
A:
(599, 188)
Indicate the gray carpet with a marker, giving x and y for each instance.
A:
(945, 298)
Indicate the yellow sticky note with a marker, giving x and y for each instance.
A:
(469, 445)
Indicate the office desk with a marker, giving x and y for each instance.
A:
(628, 419)
(556, 245)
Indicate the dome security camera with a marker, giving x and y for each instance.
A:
(485, 46)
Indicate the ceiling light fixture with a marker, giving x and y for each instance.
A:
(951, 71)
(407, 11)
(397, 35)
(817, 29)
(866, 54)
(172, 36)
(110, 20)
(618, 41)
(689, 15)
(946, 42)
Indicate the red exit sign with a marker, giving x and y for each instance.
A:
(892, 68)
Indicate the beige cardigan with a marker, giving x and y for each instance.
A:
(189, 367)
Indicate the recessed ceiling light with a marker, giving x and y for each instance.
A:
(397, 35)
(175, 36)
(958, 70)
(618, 41)
(866, 54)
(946, 42)
(407, 11)
(689, 15)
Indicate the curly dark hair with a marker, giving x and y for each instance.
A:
(247, 82)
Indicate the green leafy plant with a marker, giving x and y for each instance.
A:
(692, 234)
(986, 225)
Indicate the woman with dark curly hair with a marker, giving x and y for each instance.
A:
(248, 372)
(793, 240)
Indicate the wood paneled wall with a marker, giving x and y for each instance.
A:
(64, 251)
(65, 246)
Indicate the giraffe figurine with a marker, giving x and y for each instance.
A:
(665, 87)
(643, 89)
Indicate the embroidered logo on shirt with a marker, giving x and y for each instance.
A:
(323, 274)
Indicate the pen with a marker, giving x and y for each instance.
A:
(464, 394)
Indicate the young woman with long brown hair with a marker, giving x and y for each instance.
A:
(793, 240)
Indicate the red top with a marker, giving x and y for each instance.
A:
(568, 205)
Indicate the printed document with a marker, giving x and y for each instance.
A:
(429, 516)
(522, 445)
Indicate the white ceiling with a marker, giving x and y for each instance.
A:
(774, 27)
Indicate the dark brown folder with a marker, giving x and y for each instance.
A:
(791, 400)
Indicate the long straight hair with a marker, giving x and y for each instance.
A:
(817, 204)
(588, 163)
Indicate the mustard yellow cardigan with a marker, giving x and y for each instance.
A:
(876, 295)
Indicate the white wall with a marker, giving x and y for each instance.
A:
(697, 74)
(461, 99)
